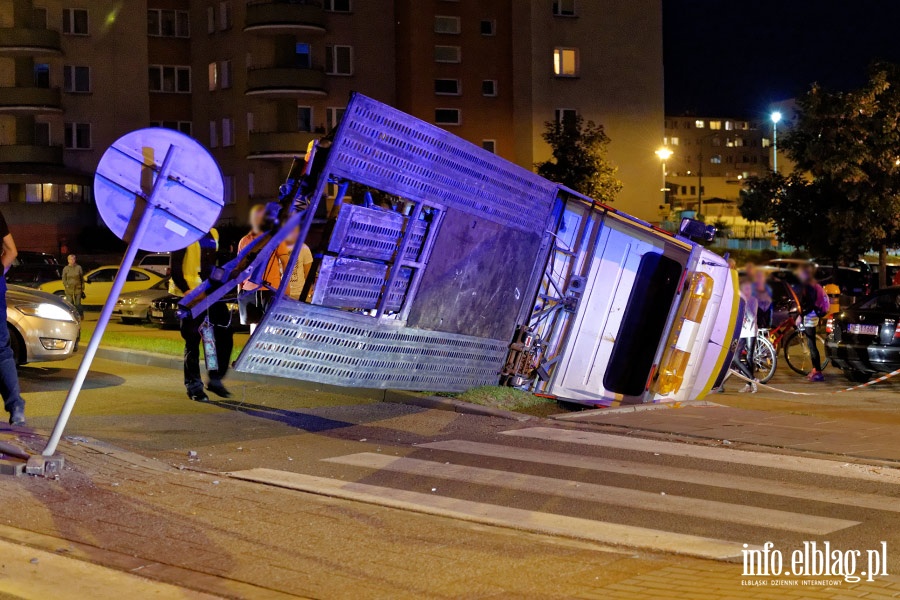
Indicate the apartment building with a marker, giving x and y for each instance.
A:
(257, 80)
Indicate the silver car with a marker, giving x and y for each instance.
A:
(134, 307)
(42, 326)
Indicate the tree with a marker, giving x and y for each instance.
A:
(849, 143)
(579, 158)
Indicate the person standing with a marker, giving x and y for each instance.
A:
(301, 269)
(744, 354)
(73, 283)
(814, 304)
(253, 298)
(9, 377)
(189, 268)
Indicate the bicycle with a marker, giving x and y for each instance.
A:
(791, 338)
(765, 357)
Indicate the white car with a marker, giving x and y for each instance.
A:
(42, 327)
(158, 262)
(98, 284)
(134, 307)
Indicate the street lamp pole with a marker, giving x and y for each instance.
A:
(776, 117)
(664, 155)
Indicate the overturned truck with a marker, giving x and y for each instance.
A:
(440, 267)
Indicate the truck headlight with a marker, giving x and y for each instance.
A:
(46, 310)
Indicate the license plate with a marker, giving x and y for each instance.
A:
(859, 329)
(156, 313)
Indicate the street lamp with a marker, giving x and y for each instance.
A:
(664, 154)
(776, 117)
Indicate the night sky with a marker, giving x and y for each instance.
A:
(726, 57)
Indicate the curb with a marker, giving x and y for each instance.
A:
(633, 409)
(453, 405)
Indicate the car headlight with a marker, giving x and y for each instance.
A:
(45, 310)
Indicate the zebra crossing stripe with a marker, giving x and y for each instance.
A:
(607, 534)
(601, 494)
(669, 473)
(817, 466)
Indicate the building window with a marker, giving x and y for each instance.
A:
(448, 25)
(447, 54)
(674, 141)
(251, 121)
(168, 23)
(339, 60)
(170, 79)
(75, 21)
(78, 136)
(717, 141)
(213, 135)
(716, 159)
(563, 116)
(227, 132)
(738, 142)
(42, 75)
(447, 87)
(488, 27)
(693, 190)
(185, 127)
(334, 116)
(225, 74)
(766, 142)
(213, 74)
(76, 79)
(224, 16)
(716, 125)
(489, 87)
(229, 194)
(489, 145)
(39, 18)
(41, 134)
(729, 125)
(210, 19)
(338, 5)
(700, 124)
(447, 116)
(565, 62)
(304, 118)
(564, 8)
(303, 56)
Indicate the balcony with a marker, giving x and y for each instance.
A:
(32, 155)
(280, 82)
(29, 100)
(279, 145)
(276, 17)
(19, 41)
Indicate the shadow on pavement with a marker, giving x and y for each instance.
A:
(49, 379)
(307, 422)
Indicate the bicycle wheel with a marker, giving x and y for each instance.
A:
(765, 360)
(796, 352)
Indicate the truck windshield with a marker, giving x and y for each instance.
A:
(643, 324)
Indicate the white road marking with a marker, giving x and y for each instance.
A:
(513, 518)
(668, 473)
(816, 466)
(601, 494)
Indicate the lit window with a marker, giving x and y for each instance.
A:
(716, 160)
(447, 87)
(766, 142)
(76, 79)
(489, 145)
(447, 116)
(447, 54)
(715, 125)
(489, 87)
(489, 27)
(674, 141)
(699, 123)
(729, 125)
(447, 25)
(78, 136)
(213, 70)
(339, 60)
(304, 118)
(738, 142)
(338, 5)
(75, 21)
(564, 8)
(565, 62)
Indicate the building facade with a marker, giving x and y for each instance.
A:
(257, 80)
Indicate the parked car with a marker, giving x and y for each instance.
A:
(158, 262)
(164, 311)
(27, 257)
(98, 284)
(134, 307)
(33, 275)
(42, 326)
(865, 338)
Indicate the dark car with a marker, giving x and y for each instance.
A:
(29, 258)
(865, 338)
(33, 275)
(164, 311)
